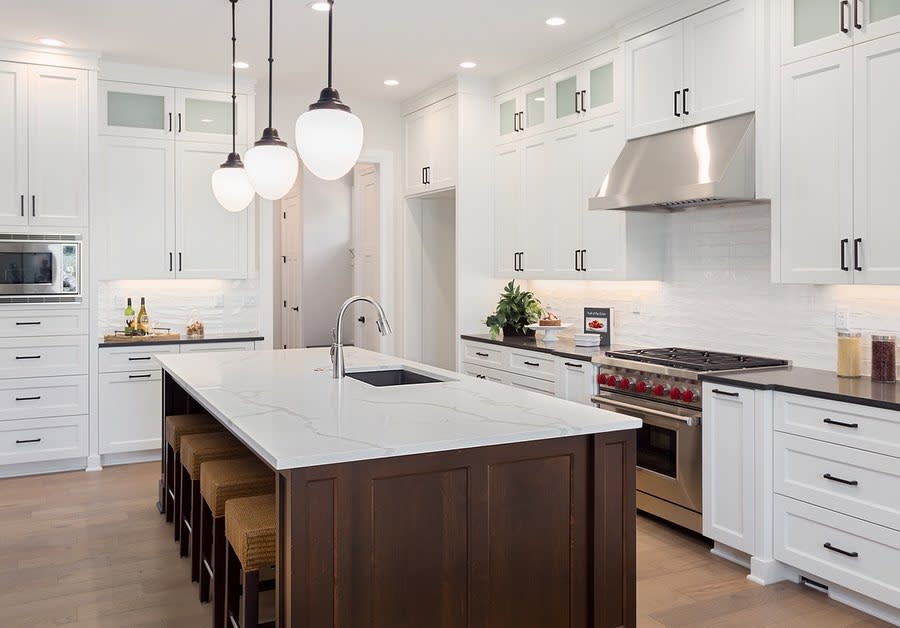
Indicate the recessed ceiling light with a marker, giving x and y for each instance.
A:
(555, 21)
(49, 41)
(241, 65)
(468, 65)
(320, 6)
(392, 82)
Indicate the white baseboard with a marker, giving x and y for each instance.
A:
(93, 464)
(40, 468)
(133, 457)
(730, 554)
(766, 571)
(865, 604)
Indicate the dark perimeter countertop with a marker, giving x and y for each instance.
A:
(185, 340)
(564, 347)
(815, 383)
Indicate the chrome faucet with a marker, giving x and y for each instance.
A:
(337, 347)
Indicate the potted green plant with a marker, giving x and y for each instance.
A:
(516, 309)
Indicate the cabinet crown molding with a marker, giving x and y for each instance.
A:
(36, 54)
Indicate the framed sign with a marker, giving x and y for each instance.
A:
(597, 321)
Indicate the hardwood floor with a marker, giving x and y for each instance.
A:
(89, 549)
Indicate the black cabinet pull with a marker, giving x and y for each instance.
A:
(521, 261)
(675, 106)
(482, 355)
(583, 267)
(684, 108)
(146, 375)
(170, 122)
(22, 204)
(577, 107)
(141, 359)
(179, 261)
(852, 426)
(845, 4)
(428, 175)
(583, 97)
(179, 122)
(831, 547)
(28, 440)
(296, 308)
(480, 377)
(516, 122)
(856, 264)
(716, 391)
(577, 267)
(33, 206)
(28, 323)
(573, 365)
(170, 261)
(527, 363)
(856, 12)
(828, 476)
(38, 398)
(28, 357)
(844, 244)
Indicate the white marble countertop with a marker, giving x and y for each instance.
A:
(285, 406)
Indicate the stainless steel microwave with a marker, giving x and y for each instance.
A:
(40, 268)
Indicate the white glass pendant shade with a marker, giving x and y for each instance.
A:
(329, 141)
(271, 169)
(232, 188)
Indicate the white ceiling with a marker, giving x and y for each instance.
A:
(418, 42)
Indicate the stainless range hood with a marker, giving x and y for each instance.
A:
(706, 165)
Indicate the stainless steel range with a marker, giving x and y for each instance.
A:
(661, 386)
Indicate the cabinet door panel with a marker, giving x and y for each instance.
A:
(602, 232)
(13, 143)
(536, 205)
(876, 135)
(507, 122)
(129, 411)
(816, 168)
(653, 73)
(719, 62)
(135, 110)
(507, 197)
(58, 159)
(416, 150)
(137, 208)
(211, 243)
(813, 27)
(207, 117)
(565, 93)
(565, 190)
(440, 130)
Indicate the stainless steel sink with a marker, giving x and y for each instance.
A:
(392, 377)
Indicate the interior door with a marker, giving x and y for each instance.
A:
(134, 110)
(13, 143)
(507, 199)
(416, 151)
(366, 259)
(817, 169)
(719, 62)
(564, 180)
(291, 271)
(536, 206)
(58, 147)
(211, 243)
(653, 79)
(876, 136)
(137, 205)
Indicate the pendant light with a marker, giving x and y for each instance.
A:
(271, 166)
(230, 184)
(329, 136)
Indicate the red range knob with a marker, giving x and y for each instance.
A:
(625, 384)
(688, 396)
(611, 380)
(601, 378)
(641, 386)
(675, 393)
(659, 390)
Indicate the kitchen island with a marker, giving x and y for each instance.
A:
(454, 503)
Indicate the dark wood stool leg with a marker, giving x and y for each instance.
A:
(183, 512)
(196, 512)
(250, 600)
(173, 462)
(218, 571)
(206, 521)
(232, 588)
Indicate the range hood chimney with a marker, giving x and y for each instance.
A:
(708, 165)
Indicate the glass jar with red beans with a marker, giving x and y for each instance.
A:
(884, 365)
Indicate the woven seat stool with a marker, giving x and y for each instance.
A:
(250, 533)
(221, 481)
(178, 425)
(195, 450)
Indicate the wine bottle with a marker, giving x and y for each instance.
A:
(143, 321)
(129, 319)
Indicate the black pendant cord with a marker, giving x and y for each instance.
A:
(271, 60)
(233, 80)
(330, 31)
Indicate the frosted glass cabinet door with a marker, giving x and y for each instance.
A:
(206, 117)
(875, 18)
(13, 143)
(813, 27)
(132, 110)
(535, 109)
(507, 116)
(567, 97)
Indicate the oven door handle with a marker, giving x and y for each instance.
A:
(690, 421)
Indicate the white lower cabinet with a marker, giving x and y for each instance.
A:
(574, 380)
(40, 440)
(130, 411)
(40, 397)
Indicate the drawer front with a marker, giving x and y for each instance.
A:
(43, 357)
(36, 440)
(804, 534)
(872, 429)
(33, 398)
(206, 347)
(484, 354)
(130, 410)
(532, 383)
(540, 365)
(25, 323)
(483, 372)
(123, 359)
(857, 483)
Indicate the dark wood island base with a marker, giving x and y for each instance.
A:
(537, 534)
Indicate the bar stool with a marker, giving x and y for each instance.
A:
(220, 481)
(178, 425)
(195, 450)
(250, 535)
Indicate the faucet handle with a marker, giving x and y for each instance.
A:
(334, 335)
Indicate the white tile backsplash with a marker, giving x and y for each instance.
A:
(717, 294)
(224, 306)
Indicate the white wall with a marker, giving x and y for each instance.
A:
(717, 295)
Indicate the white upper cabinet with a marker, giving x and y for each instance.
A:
(137, 209)
(134, 110)
(817, 169)
(58, 147)
(203, 116)
(209, 241)
(430, 150)
(693, 71)
(563, 225)
(567, 96)
(876, 186)
(13, 143)
(522, 111)
(507, 194)
(587, 90)
(814, 27)
(535, 205)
